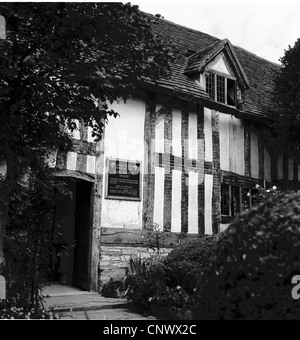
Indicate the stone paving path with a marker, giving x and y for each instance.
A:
(71, 303)
(104, 314)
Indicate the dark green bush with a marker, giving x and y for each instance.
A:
(186, 264)
(171, 282)
(256, 257)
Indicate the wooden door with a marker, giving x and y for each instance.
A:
(81, 270)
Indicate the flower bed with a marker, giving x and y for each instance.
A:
(9, 310)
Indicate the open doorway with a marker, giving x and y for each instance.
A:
(72, 235)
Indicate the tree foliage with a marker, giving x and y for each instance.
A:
(29, 236)
(287, 100)
(64, 62)
(59, 59)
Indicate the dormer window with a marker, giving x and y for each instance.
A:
(219, 74)
(221, 88)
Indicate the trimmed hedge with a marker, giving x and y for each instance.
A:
(256, 258)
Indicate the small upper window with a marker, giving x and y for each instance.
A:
(220, 88)
(2, 27)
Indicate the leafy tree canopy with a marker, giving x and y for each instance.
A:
(59, 59)
(287, 100)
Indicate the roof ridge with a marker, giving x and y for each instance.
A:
(257, 56)
(195, 31)
(182, 26)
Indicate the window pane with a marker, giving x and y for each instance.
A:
(231, 96)
(210, 85)
(235, 201)
(220, 89)
(225, 200)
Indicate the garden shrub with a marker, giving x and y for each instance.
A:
(256, 258)
(171, 282)
(9, 310)
(186, 264)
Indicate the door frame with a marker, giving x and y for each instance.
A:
(90, 231)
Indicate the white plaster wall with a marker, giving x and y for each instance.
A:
(176, 201)
(208, 135)
(224, 141)
(90, 138)
(176, 133)
(158, 215)
(91, 164)
(267, 166)
(193, 203)
(254, 155)
(71, 160)
(239, 143)
(124, 139)
(232, 154)
(160, 137)
(219, 64)
(76, 133)
(208, 204)
(193, 150)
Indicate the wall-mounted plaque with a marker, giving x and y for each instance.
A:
(123, 179)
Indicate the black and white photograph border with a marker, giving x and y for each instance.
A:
(149, 163)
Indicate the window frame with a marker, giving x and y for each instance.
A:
(231, 203)
(217, 74)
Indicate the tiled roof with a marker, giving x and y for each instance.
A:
(259, 72)
(199, 59)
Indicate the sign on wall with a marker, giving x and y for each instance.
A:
(123, 179)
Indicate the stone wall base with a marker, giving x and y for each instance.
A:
(115, 259)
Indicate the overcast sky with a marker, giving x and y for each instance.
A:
(263, 27)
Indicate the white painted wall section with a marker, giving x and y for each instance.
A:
(193, 150)
(239, 140)
(176, 133)
(193, 203)
(208, 135)
(71, 161)
(208, 204)
(160, 137)
(124, 139)
(176, 201)
(219, 64)
(254, 155)
(224, 141)
(90, 138)
(91, 164)
(159, 197)
(76, 133)
(267, 166)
